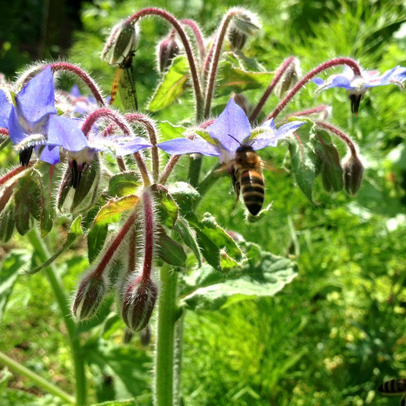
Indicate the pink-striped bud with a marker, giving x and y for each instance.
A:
(353, 171)
(89, 297)
(139, 302)
(167, 51)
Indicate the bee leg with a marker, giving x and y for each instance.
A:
(403, 400)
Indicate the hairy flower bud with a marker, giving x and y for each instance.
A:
(167, 51)
(289, 78)
(89, 297)
(242, 26)
(353, 171)
(120, 44)
(139, 302)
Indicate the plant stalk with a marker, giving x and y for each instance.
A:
(39, 380)
(165, 347)
(74, 339)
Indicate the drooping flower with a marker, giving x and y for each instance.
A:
(230, 131)
(28, 119)
(357, 85)
(66, 132)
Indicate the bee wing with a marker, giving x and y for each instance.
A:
(268, 166)
(127, 89)
(115, 84)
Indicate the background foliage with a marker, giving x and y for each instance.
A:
(338, 330)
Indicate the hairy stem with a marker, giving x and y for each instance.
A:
(199, 37)
(324, 66)
(165, 346)
(15, 172)
(270, 88)
(43, 383)
(344, 137)
(173, 160)
(74, 339)
(187, 46)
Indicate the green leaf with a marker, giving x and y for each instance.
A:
(264, 274)
(304, 161)
(169, 131)
(169, 250)
(185, 195)
(232, 79)
(173, 85)
(214, 242)
(74, 232)
(331, 170)
(168, 209)
(7, 193)
(183, 228)
(124, 184)
(108, 214)
(239, 60)
(28, 200)
(9, 272)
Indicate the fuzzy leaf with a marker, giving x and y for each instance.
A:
(124, 184)
(7, 222)
(169, 250)
(168, 209)
(5, 197)
(9, 272)
(304, 161)
(184, 195)
(95, 241)
(28, 200)
(183, 228)
(232, 79)
(173, 85)
(263, 275)
(331, 170)
(74, 232)
(214, 241)
(169, 131)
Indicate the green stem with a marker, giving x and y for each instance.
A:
(74, 339)
(194, 169)
(164, 359)
(210, 179)
(43, 383)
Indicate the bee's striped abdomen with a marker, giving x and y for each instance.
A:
(394, 386)
(253, 190)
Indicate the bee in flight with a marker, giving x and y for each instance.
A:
(247, 177)
(395, 387)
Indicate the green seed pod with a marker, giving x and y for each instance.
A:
(353, 171)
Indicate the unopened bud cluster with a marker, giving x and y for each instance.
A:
(168, 49)
(243, 26)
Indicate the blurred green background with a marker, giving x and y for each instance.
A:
(338, 330)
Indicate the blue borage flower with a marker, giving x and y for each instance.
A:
(27, 120)
(67, 133)
(358, 85)
(230, 131)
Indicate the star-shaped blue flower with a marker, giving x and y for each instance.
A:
(358, 85)
(66, 133)
(27, 120)
(230, 131)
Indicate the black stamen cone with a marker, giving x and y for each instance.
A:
(25, 156)
(76, 175)
(355, 102)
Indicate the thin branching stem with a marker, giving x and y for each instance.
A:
(199, 36)
(173, 160)
(324, 66)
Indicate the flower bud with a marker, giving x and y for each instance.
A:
(289, 78)
(353, 170)
(120, 44)
(167, 51)
(138, 304)
(242, 26)
(145, 336)
(89, 297)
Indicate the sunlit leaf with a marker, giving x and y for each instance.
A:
(124, 184)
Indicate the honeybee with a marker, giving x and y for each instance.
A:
(247, 176)
(395, 387)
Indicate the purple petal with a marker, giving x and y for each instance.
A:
(318, 81)
(126, 148)
(288, 129)
(15, 129)
(181, 146)
(50, 155)
(66, 133)
(75, 92)
(381, 80)
(399, 75)
(231, 127)
(37, 99)
(5, 109)
(340, 81)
